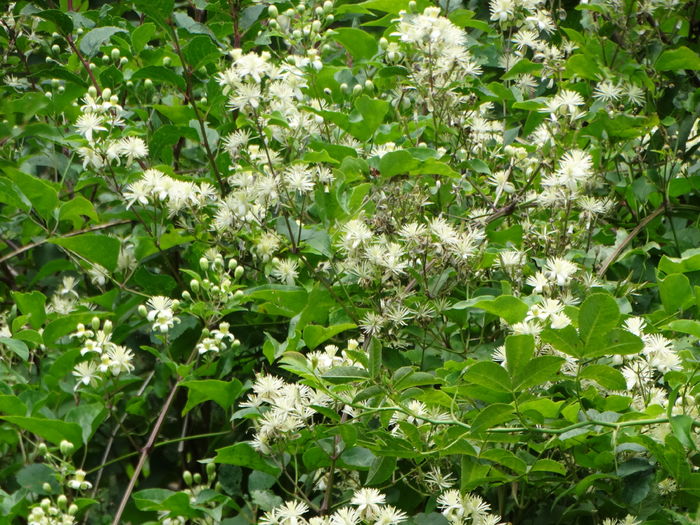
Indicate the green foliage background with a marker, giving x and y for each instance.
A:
(489, 211)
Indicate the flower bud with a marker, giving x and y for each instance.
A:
(412, 6)
(330, 19)
(369, 85)
(218, 487)
(66, 447)
(92, 65)
(46, 487)
(318, 11)
(115, 54)
(232, 263)
(62, 502)
(238, 272)
(176, 303)
(383, 43)
(296, 34)
(194, 284)
(106, 93)
(204, 263)
(73, 509)
(301, 8)
(238, 293)
(92, 91)
(272, 11)
(186, 295)
(105, 59)
(316, 25)
(80, 31)
(203, 101)
(327, 6)
(48, 94)
(143, 311)
(166, 61)
(55, 82)
(198, 478)
(114, 99)
(55, 49)
(45, 504)
(107, 327)
(148, 83)
(187, 478)
(61, 89)
(211, 469)
(123, 61)
(356, 89)
(42, 449)
(95, 323)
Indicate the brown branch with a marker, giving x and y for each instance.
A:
(33, 245)
(642, 224)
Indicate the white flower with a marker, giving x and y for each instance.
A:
(559, 270)
(286, 271)
(291, 512)
(368, 502)
(161, 313)
(120, 359)
(606, 91)
(86, 374)
(299, 178)
(132, 148)
(390, 516)
(88, 123)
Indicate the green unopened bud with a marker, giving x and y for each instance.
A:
(45, 504)
(106, 93)
(369, 85)
(62, 502)
(92, 91)
(166, 61)
(55, 82)
(187, 478)
(198, 478)
(272, 11)
(123, 60)
(203, 101)
(55, 49)
(148, 83)
(105, 59)
(48, 94)
(61, 89)
(194, 284)
(215, 289)
(274, 24)
(383, 43)
(186, 295)
(236, 342)
(66, 447)
(238, 293)
(318, 11)
(129, 83)
(301, 8)
(412, 5)
(80, 31)
(73, 509)
(176, 303)
(297, 34)
(114, 99)
(356, 89)
(232, 263)
(344, 88)
(211, 470)
(46, 487)
(238, 272)
(95, 323)
(316, 25)
(330, 19)
(115, 54)
(42, 449)
(92, 65)
(204, 263)
(327, 6)
(143, 311)
(218, 487)
(107, 327)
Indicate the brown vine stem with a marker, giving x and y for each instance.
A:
(144, 453)
(642, 224)
(33, 245)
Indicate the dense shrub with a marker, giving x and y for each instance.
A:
(370, 262)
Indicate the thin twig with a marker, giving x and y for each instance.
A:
(642, 224)
(33, 245)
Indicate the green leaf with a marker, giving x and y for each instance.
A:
(53, 430)
(676, 292)
(397, 163)
(507, 307)
(224, 393)
(506, 458)
(615, 342)
(380, 470)
(34, 476)
(12, 405)
(91, 42)
(548, 465)
(76, 209)
(682, 427)
(32, 304)
(598, 315)
(159, 10)
(538, 371)
(12, 195)
(160, 74)
(360, 44)
(141, 35)
(345, 374)
(606, 376)
(373, 112)
(200, 51)
(314, 335)
(522, 67)
(41, 194)
(489, 375)
(63, 22)
(565, 340)
(375, 357)
(676, 59)
(95, 248)
(519, 351)
(491, 416)
(18, 347)
(358, 457)
(685, 326)
(89, 416)
(243, 455)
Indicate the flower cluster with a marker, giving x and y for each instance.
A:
(467, 509)
(111, 358)
(156, 188)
